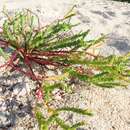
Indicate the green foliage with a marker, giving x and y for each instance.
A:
(18, 30)
(108, 71)
(3, 54)
(56, 48)
(76, 110)
(45, 123)
(49, 88)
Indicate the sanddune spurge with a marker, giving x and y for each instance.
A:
(34, 50)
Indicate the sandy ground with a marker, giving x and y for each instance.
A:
(111, 106)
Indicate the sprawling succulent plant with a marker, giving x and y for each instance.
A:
(25, 45)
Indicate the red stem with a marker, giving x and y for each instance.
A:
(53, 53)
(29, 74)
(10, 61)
(6, 64)
(44, 62)
(30, 67)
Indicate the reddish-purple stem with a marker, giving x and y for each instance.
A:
(44, 62)
(30, 67)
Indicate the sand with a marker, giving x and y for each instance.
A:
(111, 106)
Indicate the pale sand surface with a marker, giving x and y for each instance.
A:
(111, 106)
